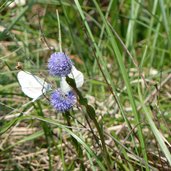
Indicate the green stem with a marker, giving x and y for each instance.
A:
(47, 132)
(92, 115)
(59, 32)
(74, 141)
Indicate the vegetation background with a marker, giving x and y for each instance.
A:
(123, 49)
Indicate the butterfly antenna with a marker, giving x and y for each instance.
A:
(44, 93)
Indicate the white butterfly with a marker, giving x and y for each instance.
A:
(31, 85)
(34, 87)
(76, 75)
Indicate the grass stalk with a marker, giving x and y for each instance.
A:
(126, 80)
(47, 132)
(157, 134)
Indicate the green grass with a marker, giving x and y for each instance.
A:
(123, 118)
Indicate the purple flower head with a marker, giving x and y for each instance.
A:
(59, 64)
(62, 102)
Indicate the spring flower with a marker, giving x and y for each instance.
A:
(59, 64)
(62, 101)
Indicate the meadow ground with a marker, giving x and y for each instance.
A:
(122, 118)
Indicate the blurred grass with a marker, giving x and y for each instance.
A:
(132, 103)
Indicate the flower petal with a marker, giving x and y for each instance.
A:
(59, 64)
(62, 102)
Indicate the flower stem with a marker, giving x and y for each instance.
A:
(92, 115)
(59, 31)
(74, 141)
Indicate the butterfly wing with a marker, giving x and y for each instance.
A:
(31, 85)
(76, 75)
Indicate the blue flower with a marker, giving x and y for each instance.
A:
(59, 64)
(63, 101)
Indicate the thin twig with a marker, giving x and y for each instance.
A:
(51, 48)
(129, 54)
(154, 92)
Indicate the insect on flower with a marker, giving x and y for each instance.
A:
(61, 99)
(76, 75)
(32, 85)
